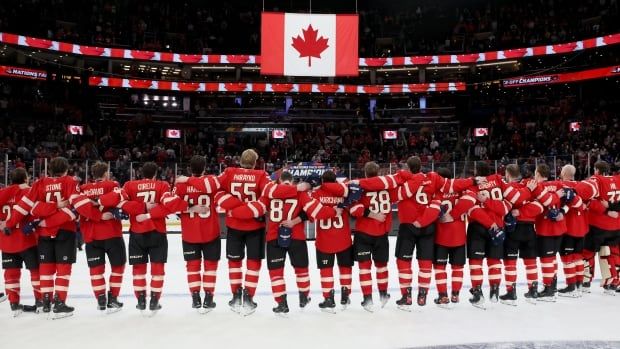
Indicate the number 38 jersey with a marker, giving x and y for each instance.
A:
(199, 227)
(333, 235)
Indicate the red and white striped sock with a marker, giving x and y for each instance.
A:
(569, 268)
(235, 274)
(11, 284)
(578, 261)
(531, 270)
(441, 278)
(346, 276)
(365, 277)
(138, 272)
(425, 274)
(382, 276)
(278, 286)
(193, 275)
(209, 276)
(251, 275)
(157, 279)
(63, 275)
(475, 272)
(116, 279)
(327, 280)
(36, 283)
(495, 271)
(457, 278)
(510, 273)
(405, 274)
(97, 280)
(546, 265)
(302, 277)
(47, 272)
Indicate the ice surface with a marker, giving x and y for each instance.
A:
(177, 326)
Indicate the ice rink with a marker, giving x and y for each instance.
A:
(592, 317)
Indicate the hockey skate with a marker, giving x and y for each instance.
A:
(61, 310)
(101, 302)
(154, 305)
(510, 298)
(17, 309)
(249, 306)
(454, 298)
(113, 305)
(477, 299)
(304, 299)
(610, 290)
(282, 308)
(197, 302)
(208, 305)
(494, 294)
(384, 297)
(235, 302)
(442, 301)
(344, 297)
(367, 304)
(422, 293)
(547, 294)
(328, 305)
(532, 293)
(570, 291)
(2, 297)
(404, 303)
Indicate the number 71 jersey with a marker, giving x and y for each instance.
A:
(147, 191)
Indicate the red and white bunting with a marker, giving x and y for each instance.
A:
(236, 87)
(168, 57)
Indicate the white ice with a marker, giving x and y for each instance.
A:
(592, 317)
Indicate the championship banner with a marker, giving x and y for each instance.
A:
(22, 73)
(300, 44)
(562, 78)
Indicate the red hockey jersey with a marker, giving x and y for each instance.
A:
(545, 194)
(520, 198)
(575, 214)
(333, 234)
(17, 241)
(93, 228)
(199, 227)
(453, 234)
(41, 200)
(600, 188)
(495, 208)
(281, 207)
(147, 191)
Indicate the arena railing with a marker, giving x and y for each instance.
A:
(123, 171)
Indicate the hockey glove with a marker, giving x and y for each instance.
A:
(553, 214)
(510, 223)
(284, 236)
(355, 193)
(497, 236)
(119, 214)
(569, 195)
(6, 231)
(314, 179)
(443, 209)
(614, 207)
(30, 227)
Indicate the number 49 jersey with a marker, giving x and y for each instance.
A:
(199, 227)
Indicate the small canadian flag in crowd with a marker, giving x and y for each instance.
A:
(481, 132)
(301, 44)
(278, 134)
(390, 134)
(75, 130)
(173, 133)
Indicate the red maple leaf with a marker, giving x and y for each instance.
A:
(310, 46)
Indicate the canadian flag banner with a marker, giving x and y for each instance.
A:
(481, 132)
(390, 134)
(278, 134)
(75, 130)
(300, 44)
(173, 133)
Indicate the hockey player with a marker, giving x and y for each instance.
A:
(17, 248)
(201, 235)
(550, 226)
(102, 237)
(602, 192)
(520, 235)
(57, 243)
(571, 248)
(450, 240)
(286, 235)
(148, 242)
(333, 241)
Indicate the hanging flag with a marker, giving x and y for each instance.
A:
(300, 44)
